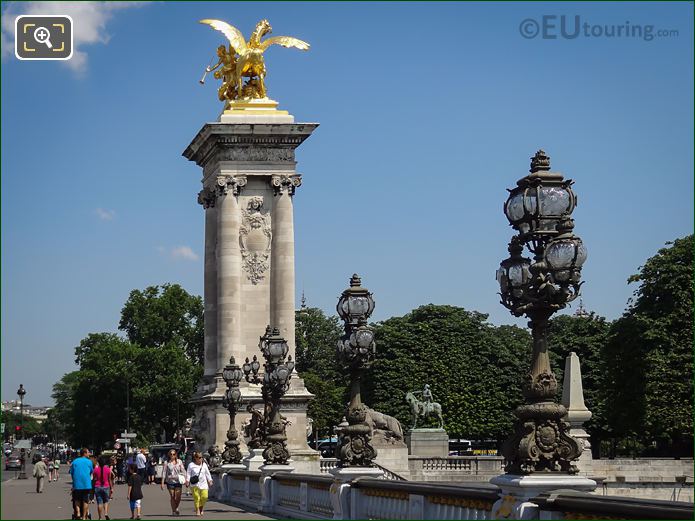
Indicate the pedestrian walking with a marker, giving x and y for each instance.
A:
(56, 468)
(50, 469)
(134, 492)
(81, 471)
(92, 498)
(199, 477)
(174, 477)
(141, 462)
(151, 468)
(103, 486)
(40, 471)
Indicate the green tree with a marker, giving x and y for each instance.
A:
(144, 379)
(158, 316)
(474, 369)
(649, 355)
(12, 419)
(63, 414)
(316, 337)
(587, 336)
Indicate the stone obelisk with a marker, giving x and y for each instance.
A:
(249, 182)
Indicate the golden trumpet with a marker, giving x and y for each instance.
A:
(202, 80)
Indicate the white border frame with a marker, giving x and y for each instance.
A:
(72, 33)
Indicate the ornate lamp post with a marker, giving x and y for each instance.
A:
(21, 392)
(356, 351)
(232, 375)
(275, 382)
(539, 209)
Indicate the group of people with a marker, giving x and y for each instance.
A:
(94, 479)
(46, 467)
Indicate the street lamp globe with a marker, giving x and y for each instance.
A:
(21, 391)
(356, 303)
(540, 199)
(364, 339)
(514, 272)
(232, 373)
(565, 255)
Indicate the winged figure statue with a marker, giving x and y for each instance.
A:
(245, 60)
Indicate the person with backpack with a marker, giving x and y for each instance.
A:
(103, 486)
(174, 476)
(199, 477)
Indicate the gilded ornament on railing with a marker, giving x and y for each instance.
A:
(244, 60)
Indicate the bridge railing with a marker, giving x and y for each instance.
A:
(308, 496)
(580, 505)
(381, 499)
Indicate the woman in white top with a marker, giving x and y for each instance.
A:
(174, 476)
(198, 476)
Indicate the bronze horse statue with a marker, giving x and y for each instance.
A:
(423, 410)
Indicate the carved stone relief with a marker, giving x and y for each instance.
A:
(255, 239)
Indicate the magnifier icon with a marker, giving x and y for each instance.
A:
(43, 35)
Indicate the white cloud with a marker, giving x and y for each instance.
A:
(89, 24)
(105, 215)
(184, 252)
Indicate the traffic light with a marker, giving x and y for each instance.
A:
(18, 428)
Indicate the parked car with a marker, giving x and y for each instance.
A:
(12, 462)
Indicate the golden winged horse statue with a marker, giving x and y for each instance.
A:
(249, 63)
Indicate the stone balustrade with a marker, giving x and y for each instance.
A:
(308, 496)
(578, 505)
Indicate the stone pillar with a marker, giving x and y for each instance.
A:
(228, 269)
(248, 162)
(282, 259)
(207, 198)
(577, 412)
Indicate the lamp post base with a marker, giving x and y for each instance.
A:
(516, 490)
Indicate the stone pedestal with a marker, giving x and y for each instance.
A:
(249, 180)
(577, 412)
(340, 489)
(432, 443)
(516, 490)
(253, 460)
(393, 457)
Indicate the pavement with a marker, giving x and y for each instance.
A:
(20, 501)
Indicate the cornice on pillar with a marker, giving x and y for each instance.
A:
(247, 142)
(285, 183)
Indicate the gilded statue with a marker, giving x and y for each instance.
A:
(244, 59)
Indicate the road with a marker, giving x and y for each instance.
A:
(20, 501)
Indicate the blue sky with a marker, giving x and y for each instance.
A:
(428, 113)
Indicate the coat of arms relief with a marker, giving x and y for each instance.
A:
(255, 239)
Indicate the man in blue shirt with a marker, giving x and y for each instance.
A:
(81, 471)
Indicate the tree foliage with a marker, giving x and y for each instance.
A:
(169, 315)
(474, 369)
(12, 419)
(586, 336)
(649, 355)
(316, 339)
(149, 374)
